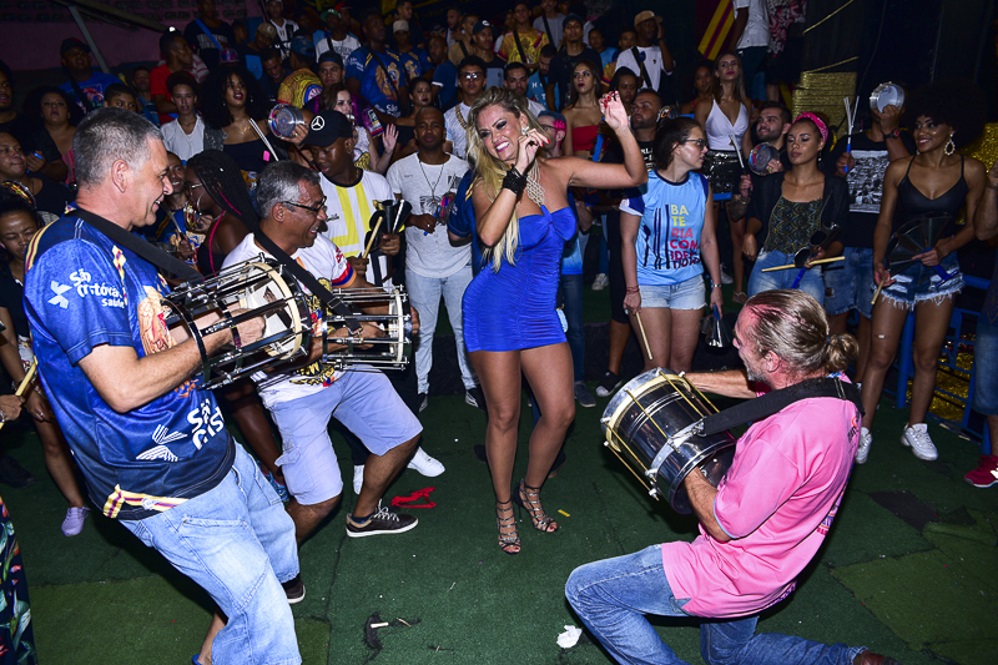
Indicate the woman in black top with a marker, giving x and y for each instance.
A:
(939, 182)
(787, 208)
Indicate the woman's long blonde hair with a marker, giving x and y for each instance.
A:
(491, 171)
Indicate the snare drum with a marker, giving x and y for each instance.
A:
(389, 352)
(650, 425)
(244, 291)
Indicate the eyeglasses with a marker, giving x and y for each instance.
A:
(471, 76)
(700, 143)
(315, 210)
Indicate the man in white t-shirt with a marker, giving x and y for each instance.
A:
(653, 57)
(286, 28)
(337, 39)
(434, 268)
(303, 399)
(750, 39)
(352, 196)
(471, 85)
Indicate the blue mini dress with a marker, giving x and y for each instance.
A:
(514, 308)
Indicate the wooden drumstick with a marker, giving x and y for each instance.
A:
(876, 294)
(25, 382)
(374, 234)
(816, 262)
(644, 337)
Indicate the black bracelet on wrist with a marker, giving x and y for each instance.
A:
(514, 181)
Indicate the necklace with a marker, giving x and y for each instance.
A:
(433, 187)
(460, 120)
(534, 189)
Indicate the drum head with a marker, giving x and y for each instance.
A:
(275, 289)
(887, 94)
(283, 120)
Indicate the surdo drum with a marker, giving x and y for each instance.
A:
(651, 425)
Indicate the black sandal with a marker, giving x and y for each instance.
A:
(509, 539)
(529, 499)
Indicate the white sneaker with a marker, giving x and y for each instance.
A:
(917, 438)
(601, 281)
(863, 451)
(358, 478)
(424, 464)
(72, 525)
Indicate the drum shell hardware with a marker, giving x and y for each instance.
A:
(651, 424)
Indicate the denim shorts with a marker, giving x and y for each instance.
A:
(810, 283)
(918, 283)
(986, 359)
(691, 294)
(366, 403)
(849, 283)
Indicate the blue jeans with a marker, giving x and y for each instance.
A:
(811, 283)
(571, 298)
(613, 596)
(425, 294)
(237, 542)
(986, 357)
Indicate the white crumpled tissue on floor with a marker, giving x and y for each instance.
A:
(570, 637)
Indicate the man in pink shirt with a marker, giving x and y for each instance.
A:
(764, 522)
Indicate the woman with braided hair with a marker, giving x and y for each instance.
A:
(216, 190)
(218, 200)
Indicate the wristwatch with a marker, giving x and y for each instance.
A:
(895, 134)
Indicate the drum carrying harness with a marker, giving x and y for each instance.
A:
(775, 401)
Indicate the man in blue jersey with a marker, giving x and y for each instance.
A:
(152, 446)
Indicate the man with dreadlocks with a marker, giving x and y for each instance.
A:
(152, 446)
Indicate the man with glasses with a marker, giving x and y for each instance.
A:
(302, 400)
(471, 85)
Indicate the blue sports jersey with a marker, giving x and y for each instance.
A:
(672, 216)
(379, 81)
(82, 291)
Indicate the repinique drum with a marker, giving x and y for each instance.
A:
(241, 292)
(391, 351)
(650, 424)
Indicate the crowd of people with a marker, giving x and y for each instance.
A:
(517, 143)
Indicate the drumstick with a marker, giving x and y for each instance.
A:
(25, 382)
(374, 234)
(816, 262)
(644, 337)
(876, 294)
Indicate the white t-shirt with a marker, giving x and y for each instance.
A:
(424, 186)
(180, 143)
(652, 57)
(556, 28)
(326, 262)
(756, 31)
(349, 211)
(284, 33)
(456, 132)
(348, 45)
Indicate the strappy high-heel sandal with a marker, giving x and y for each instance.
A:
(509, 539)
(529, 498)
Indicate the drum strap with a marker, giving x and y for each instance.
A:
(144, 249)
(304, 276)
(777, 400)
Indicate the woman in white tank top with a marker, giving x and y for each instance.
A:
(725, 119)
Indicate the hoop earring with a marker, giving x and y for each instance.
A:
(950, 147)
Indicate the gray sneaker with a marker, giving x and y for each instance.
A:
(385, 521)
(917, 438)
(865, 441)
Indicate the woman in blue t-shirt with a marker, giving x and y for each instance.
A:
(667, 231)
